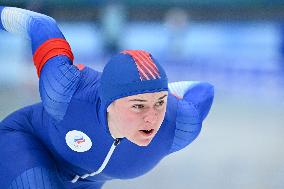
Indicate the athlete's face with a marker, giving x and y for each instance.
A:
(137, 117)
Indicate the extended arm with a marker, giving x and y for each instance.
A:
(52, 55)
(194, 102)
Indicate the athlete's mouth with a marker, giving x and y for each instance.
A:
(147, 132)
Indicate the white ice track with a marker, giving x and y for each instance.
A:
(180, 88)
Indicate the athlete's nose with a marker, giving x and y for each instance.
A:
(151, 117)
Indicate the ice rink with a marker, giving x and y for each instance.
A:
(241, 143)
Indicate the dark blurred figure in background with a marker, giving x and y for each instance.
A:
(176, 22)
(113, 19)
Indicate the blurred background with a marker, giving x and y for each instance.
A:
(238, 46)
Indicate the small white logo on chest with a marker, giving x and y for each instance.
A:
(78, 141)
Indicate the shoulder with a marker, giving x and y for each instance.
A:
(88, 85)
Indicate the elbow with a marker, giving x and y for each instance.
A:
(208, 89)
(202, 96)
(206, 105)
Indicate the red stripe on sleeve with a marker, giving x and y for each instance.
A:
(51, 48)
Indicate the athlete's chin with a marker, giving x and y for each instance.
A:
(142, 142)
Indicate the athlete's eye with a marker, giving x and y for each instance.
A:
(138, 106)
(160, 103)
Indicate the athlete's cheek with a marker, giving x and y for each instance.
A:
(160, 119)
(131, 122)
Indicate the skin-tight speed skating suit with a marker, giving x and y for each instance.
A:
(64, 141)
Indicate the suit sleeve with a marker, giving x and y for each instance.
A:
(194, 102)
(52, 56)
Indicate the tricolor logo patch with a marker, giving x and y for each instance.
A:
(78, 141)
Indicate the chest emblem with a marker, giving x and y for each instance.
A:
(78, 141)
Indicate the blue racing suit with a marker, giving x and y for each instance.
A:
(36, 149)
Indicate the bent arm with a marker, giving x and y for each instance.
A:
(200, 94)
(52, 55)
(194, 102)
